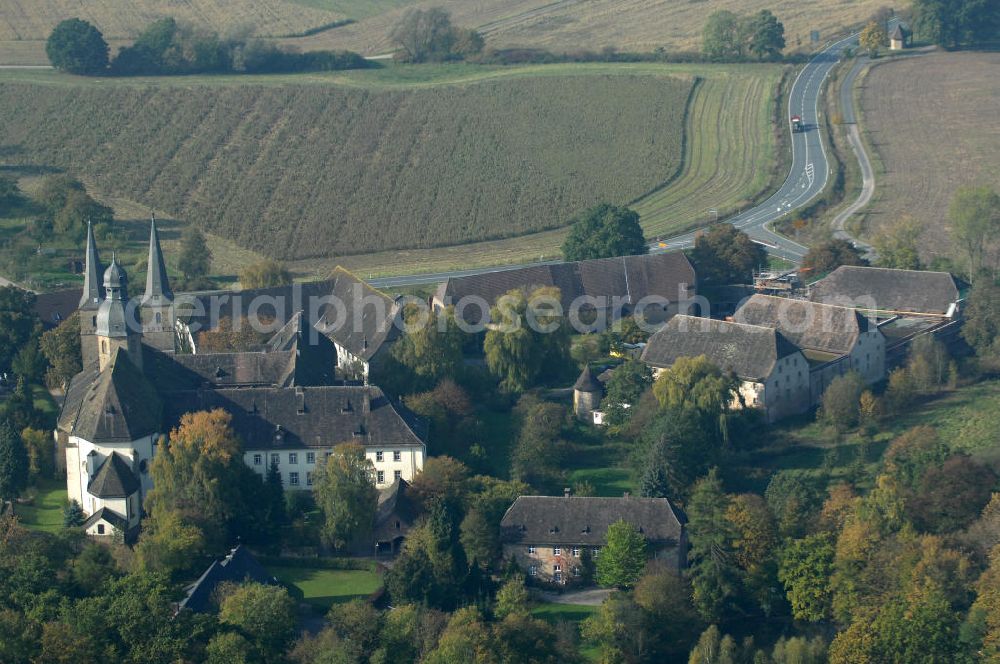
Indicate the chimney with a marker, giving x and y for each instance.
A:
(566, 492)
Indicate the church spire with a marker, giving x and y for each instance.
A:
(157, 285)
(91, 282)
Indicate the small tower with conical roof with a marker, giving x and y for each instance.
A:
(117, 325)
(587, 394)
(157, 309)
(93, 294)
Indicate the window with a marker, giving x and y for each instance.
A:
(533, 570)
(396, 474)
(158, 318)
(397, 455)
(380, 477)
(310, 457)
(531, 550)
(576, 571)
(378, 456)
(309, 479)
(557, 551)
(597, 551)
(258, 459)
(293, 458)
(275, 459)
(293, 479)
(100, 529)
(576, 552)
(557, 573)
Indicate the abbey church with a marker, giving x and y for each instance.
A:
(291, 402)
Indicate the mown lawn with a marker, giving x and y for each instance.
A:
(323, 588)
(46, 511)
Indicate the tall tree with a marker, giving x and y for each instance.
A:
(623, 390)
(714, 578)
(17, 323)
(427, 35)
(975, 218)
(195, 259)
(344, 488)
(694, 382)
(841, 401)
(765, 35)
(623, 557)
(266, 614)
(726, 255)
(982, 319)
(528, 339)
(873, 37)
(77, 47)
(13, 463)
(604, 231)
(898, 244)
(805, 569)
(722, 35)
(431, 348)
(61, 347)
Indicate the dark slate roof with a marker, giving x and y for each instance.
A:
(239, 566)
(186, 372)
(587, 382)
(808, 325)
(369, 316)
(394, 504)
(114, 479)
(114, 518)
(92, 290)
(272, 418)
(55, 307)
(157, 285)
(629, 277)
(749, 351)
(585, 520)
(279, 303)
(898, 32)
(117, 404)
(885, 289)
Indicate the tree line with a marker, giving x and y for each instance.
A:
(168, 48)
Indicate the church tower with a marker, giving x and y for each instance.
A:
(90, 301)
(117, 325)
(157, 308)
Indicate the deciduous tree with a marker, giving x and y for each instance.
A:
(604, 231)
(873, 37)
(898, 244)
(266, 614)
(13, 463)
(805, 569)
(520, 353)
(61, 347)
(344, 488)
(975, 218)
(828, 256)
(623, 557)
(265, 274)
(77, 47)
(726, 255)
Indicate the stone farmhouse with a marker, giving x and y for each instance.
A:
(603, 290)
(547, 535)
(773, 372)
(834, 340)
(286, 406)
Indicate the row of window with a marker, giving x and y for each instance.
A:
(293, 457)
(558, 551)
(380, 476)
(556, 572)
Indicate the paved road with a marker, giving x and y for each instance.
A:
(807, 177)
(858, 147)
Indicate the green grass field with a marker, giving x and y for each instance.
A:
(46, 511)
(323, 588)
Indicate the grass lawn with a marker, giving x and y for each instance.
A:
(325, 587)
(46, 512)
(572, 613)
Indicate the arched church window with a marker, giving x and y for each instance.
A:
(143, 467)
(157, 317)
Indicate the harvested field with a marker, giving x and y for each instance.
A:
(33, 20)
(933, 124)
(574, 25)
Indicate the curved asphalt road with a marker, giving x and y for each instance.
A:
(807, 177)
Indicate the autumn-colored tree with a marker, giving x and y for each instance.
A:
(914, 451)
(873, 37)
(265, 274)
(898, 244)
(984, 617)
(235, 337)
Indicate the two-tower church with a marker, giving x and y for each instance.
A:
(287, 404)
